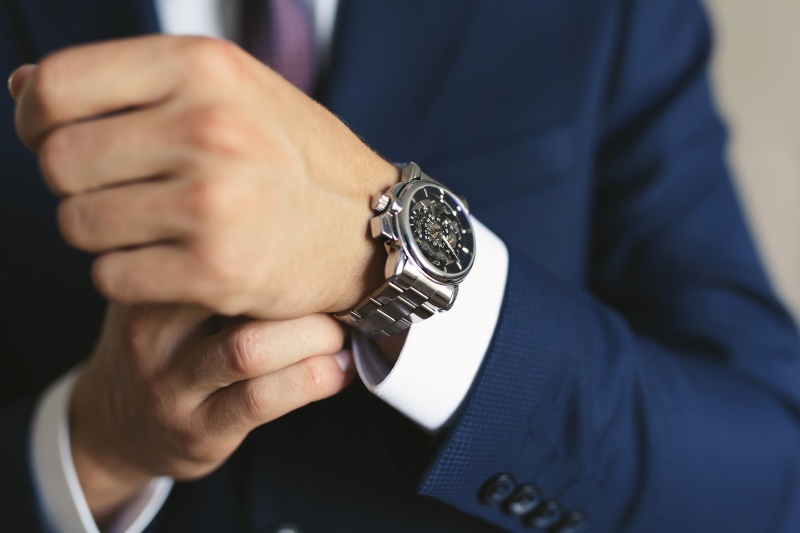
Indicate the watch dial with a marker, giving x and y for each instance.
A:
(441, 229)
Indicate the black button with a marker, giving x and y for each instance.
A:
(546, 515)
(497, 490)
(524, 500)
(287, 528)
(574, 522)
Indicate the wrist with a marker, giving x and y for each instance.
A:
(107, 484)
(366, 256)
(428, 235)
(104, 490)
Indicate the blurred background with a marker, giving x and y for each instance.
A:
(757, 79)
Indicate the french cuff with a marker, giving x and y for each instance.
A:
(63, 505)
(442, 355)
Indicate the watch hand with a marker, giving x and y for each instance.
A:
(455, 255)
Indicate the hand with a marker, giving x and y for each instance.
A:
(201, 176)
(167, 392)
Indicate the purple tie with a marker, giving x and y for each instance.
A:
(281, 34)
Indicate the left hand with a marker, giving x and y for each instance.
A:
(201, 176)
(172, 390)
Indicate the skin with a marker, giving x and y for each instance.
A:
(167, 391)
(198, 175)
(206, 185)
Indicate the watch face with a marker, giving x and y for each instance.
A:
(440, 231)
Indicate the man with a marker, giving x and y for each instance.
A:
(640, 376)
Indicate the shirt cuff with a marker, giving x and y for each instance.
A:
(63, 505)
(442, 355)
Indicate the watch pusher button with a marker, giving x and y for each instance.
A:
(380, 203)
(410, 172)
(382, 226)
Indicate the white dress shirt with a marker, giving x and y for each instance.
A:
(433, 374)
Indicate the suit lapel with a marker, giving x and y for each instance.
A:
(54, 24)
(418, 78)
(388, 73)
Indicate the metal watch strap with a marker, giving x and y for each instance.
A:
(408, 296)
(403, 300)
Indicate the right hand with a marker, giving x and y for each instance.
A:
(167, 392)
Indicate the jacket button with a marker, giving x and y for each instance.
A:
(497, 490)
(287, 528)
(546, 515)
(524, 500)
(574, 522)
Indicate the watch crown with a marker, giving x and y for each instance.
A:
(380, 203)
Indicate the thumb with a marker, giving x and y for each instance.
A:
(18, 79)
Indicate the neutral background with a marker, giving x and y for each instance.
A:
(757, 78)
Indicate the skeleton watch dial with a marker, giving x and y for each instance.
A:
(440, 231)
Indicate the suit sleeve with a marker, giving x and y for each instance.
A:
(662, 395)
(18, 501)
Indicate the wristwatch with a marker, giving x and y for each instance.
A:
(428, 235)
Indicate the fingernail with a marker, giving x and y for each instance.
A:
(10, 79)
(344, 358)
(14, 88)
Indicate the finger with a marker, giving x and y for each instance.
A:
(136, 214)
(18, 78)
(96, 79)
(248, 404)
(152, 274)
(87, 155)
(256, 348)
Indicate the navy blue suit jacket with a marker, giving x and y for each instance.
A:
(641, 370)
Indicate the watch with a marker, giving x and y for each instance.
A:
(428, 235)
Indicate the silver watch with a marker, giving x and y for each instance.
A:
(428, 235)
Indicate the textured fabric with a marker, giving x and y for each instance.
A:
(281, 34)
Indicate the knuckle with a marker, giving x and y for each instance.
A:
(204, 200)
(137, 334)
(216, 130)
(242, 352)
(220, 271)
(106, 278)
(254, 401)
(48, 83)
(190, 444)
(328, 335)
(315, 377)
(225, 281)
(215, 290)
(219, 268)
(210, 58)
(54, 156)
(72, 221)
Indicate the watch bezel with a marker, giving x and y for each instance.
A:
(414, 252)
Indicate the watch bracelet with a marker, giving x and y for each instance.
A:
(402, 301)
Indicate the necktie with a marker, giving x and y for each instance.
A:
(281, 34)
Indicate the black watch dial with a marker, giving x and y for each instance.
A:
(441, 231)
